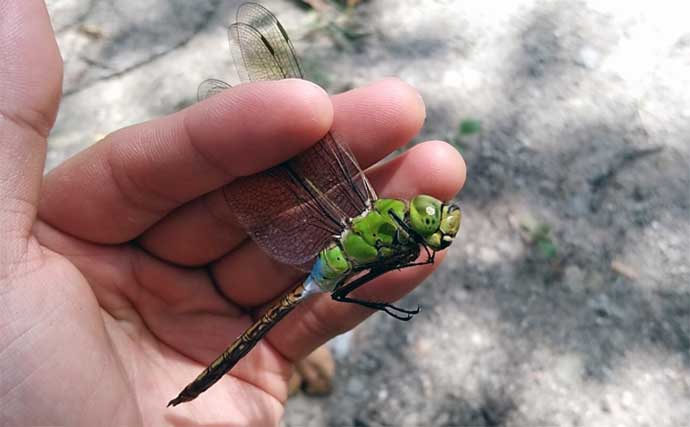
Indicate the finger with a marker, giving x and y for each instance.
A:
(432, 168)
(30, 84)
(377, 119)
(251, 278)
(119, 187)
(373, 120)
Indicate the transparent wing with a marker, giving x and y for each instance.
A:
(261, 47)
(295, 209)
(210, 87)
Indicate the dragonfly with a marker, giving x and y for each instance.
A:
(317, 211)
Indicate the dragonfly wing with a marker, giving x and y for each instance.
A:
(332, 168)
(210, 87)
(294, 209)
(281, 216)
(261, 47)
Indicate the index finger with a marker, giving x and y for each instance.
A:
(119, 187)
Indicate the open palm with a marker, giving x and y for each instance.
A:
(121, 272)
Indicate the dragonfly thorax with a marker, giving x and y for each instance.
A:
(392, 229)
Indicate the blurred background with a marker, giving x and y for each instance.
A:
(566, 299)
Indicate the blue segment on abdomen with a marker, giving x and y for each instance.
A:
(317, 270)
(317, 275)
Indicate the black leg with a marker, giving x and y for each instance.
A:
(389, 309)
(341, 293)
(415, 236)
(410, 232)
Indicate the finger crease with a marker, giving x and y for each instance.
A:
(211, 161)
(127, 191)
(223, 218)
(30, 120)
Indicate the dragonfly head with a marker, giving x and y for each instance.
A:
(434, 220)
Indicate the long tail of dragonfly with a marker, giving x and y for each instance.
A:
(242, 345)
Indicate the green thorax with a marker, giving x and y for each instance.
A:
(374, 234)
(383, 232)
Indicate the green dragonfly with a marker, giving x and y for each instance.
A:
(323, 215)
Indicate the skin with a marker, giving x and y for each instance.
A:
(122, 274)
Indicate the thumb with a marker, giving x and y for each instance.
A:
(30, 85)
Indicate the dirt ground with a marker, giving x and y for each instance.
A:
(566, 299)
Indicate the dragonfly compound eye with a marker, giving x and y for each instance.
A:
(425, 214)
(450, 224)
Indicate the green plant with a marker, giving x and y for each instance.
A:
(467, 128)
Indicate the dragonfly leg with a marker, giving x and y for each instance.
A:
(410, 232)
(389, 309)
(430, 259)
(341, 293)
(415, 236)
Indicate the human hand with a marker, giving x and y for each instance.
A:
(122, 273)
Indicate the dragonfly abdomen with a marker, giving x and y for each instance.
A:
(244, 343)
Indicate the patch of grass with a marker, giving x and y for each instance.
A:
(314, 71)
(467, 129)
(338, 21)
(543, 242)
(538, 235)
(347, 30)
(323, 4)
(544, 256)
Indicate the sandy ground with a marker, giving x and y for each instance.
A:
(566, 301)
